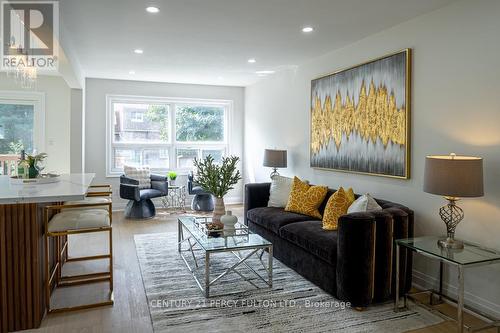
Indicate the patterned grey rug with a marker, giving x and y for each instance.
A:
(292, 305)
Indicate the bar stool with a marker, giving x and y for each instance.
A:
(93, 214)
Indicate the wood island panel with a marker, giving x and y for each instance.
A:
(22, 297)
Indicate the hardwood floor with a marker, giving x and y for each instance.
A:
(130, 312)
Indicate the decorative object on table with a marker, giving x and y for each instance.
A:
(275, 159)
(280, 191)
(453, 177)
(172, 176)
(360, 118)
(229, 220)
(209, 228)
(218, 179)
(139, 195)
(23, 166)
(33, 161)
(202, 200)
(215, 229)
(175, 200)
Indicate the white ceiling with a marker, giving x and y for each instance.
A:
(210, 41)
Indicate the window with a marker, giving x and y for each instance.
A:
(137, 117)
(166, 134)
(21, 122)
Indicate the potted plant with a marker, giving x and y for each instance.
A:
(218, 179)
(33, 160)
(172, 175)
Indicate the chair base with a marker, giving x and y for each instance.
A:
(203, 203)
(143, 209)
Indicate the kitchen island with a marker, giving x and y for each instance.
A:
(22, 273)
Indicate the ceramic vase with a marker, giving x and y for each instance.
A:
(229, 220)
(219, 209)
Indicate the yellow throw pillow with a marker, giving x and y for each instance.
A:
(337, 206)
(305, 199)
(350, 195)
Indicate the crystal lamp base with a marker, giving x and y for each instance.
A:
(450, 243)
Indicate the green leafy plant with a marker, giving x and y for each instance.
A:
(34, 159)
(216, 178)
(172, 175)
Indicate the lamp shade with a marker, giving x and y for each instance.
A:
(275, 158)
(454, 176)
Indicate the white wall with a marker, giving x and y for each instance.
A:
(95, 119)
(77, 127)
(456, 108)
(57, 118)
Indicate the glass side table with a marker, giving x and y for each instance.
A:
(472, 255)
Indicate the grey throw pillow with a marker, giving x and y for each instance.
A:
(364, 203)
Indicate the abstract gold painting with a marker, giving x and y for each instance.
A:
(360, 118)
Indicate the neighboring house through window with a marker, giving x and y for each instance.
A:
(165, 133)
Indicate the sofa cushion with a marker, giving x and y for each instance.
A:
(337, 206)
(305, 199)
(141, 174)
(279, 191)
(310, 236)
(150, 193)
(273, 218)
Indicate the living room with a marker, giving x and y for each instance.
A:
(274, 166)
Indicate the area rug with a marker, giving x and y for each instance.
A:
(292, 305)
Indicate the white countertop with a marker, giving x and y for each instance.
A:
(71, 187)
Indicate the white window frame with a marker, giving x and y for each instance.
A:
(172, 143)
(37, 100)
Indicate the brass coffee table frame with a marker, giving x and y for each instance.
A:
(191, 240)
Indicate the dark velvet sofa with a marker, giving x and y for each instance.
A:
(354, 263)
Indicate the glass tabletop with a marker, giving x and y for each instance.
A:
(469, 255)
(249, 240)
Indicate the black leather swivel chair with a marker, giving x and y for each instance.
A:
(140, 205)
(202, 200)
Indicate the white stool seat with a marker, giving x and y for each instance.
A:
(89, 200)
(75, 219)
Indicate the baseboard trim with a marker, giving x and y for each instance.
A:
(423, 281)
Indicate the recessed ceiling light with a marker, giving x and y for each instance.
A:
(307, 29)
(252, 60)
(264, 72)
(131, 72)
(220, 78)
(138, 51)
(152, 9)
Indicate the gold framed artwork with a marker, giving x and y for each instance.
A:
(360, 118)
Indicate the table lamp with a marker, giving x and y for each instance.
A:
(453, 177)
(275, 159)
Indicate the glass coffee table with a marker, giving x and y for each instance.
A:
(242, 244)
(472, 255)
